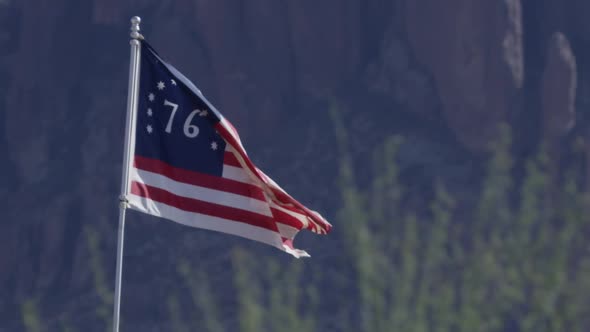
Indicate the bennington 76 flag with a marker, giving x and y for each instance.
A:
(189, 166)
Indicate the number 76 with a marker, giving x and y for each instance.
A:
(190, 131)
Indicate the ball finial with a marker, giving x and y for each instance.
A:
(135, 34)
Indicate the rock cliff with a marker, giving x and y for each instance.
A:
(444, 72)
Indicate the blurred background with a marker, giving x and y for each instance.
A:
(446, 141)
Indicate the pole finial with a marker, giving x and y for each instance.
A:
(135, 20)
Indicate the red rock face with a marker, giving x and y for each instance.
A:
(567, 16)
(325, 42)
(578, 11)
(558, 88)
(474, 51)
(255, 60)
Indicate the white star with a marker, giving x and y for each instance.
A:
(203, 113)
(151, 97)
(214, 146)
(149, 112)
(161, 85)
(173, 82)
(149, 129)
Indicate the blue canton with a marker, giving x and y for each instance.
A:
(174, 124)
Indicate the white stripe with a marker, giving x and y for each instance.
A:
(201, 193)
(324, 222)
(296, 252)
(230, 129)
(243, 172)
(236, 173)
(265, 182)
(298, 216)
(198, 220)
(287, 231)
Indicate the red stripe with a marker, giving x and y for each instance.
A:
(290, 207)
(235, 131)
(199, 179)
(288, 242)
(230, 159)
(202, 207)
(285, 218)
(285, 200)
(232, 140)
(280, 196)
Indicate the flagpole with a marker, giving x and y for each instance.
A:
(128, 151)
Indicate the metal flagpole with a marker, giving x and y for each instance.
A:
(128, 151)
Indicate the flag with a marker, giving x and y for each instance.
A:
(189, 166)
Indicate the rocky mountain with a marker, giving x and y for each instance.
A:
(444, 74)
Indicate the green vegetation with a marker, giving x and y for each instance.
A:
(516, 260)
(105, 303)
(30, 316)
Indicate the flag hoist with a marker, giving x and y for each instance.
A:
(184, 161)
(133, 90)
